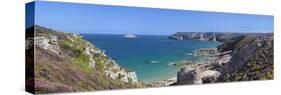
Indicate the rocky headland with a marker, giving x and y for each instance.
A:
(241, 57)
(205, 36)
(246, 56)
(65, 62)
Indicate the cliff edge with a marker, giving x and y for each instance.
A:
(245, 57)
(65, 62)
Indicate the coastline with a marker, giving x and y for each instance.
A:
(208, 53)
(155, 66)
(165, 82)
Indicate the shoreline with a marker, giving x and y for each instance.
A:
(203, 52)
(164, 73)
(165, 82)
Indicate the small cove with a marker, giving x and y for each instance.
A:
(149, 55)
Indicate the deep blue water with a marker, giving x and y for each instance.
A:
(148, 55)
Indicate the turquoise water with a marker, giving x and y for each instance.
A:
(148, 55)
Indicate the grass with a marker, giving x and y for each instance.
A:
(83, 61)
(71, 70)
(77, 46)
(99, 64)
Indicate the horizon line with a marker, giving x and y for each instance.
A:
(151, 34)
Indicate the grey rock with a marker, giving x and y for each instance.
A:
(188, 75)
(210, 76)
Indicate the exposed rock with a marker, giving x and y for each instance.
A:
(69, 62)
(241, 54)
(122, 74)
(252, 59)
(205, 52)
(182, 63)
(188, 75)
(229, 44)
(132, 76)
(258, 65)
(162, 83)
(210, 76)
(47, 44)
(223, 59)
(249, 57)
(29, 43)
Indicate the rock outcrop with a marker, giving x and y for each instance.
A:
(198, 74)
(166, 82)
(245, 57)
(66, 62)
(188, 75)
(252, 59)
(205, 52)
(210, 76)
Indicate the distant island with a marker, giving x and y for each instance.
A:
(208, 36)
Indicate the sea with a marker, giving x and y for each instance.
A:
(150, 56)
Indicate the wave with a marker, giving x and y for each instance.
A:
(171, 63)
(153, 61)
(188, 54)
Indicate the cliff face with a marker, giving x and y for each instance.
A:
(209, 36)
(245, 57)
(252, 59)
(65, 62)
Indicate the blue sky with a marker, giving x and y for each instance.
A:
(102, 19)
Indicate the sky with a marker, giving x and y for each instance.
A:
(103, 19)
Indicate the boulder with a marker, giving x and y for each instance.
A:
(210, 76)
(188, 75)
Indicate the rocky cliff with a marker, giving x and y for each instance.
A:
(252, 59)
(245, 57)
(65, 62)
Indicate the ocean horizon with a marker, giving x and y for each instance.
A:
(150, 56)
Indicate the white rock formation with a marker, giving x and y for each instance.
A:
(47, 44)
(209, 76)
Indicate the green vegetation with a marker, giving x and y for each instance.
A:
(75, 44)
(83, 61)
(83, 58)
(99, 64)
(229, 44)
(71, 70)
(245, 41)
(259, 66)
